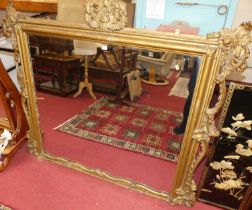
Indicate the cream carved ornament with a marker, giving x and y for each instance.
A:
(106, 14)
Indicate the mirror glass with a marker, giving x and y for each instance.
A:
(117, 108)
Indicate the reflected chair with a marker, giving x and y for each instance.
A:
(112, 66)
(160, 63)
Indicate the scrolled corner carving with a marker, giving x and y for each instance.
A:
(185, 195)
(106, 14)
(9, 23)
(234, 54)
(234, 50)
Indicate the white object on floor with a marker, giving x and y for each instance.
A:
(180, 89)
(4, 140)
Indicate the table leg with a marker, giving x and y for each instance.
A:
(85, 83)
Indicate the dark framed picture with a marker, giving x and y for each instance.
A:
(228, 173)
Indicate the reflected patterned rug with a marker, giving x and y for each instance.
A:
(139, 128)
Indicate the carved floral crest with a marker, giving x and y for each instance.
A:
(235, 52)
(106, 14)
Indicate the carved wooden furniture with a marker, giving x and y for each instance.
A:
(42, 45)
(62, 73)
(159, 63)
(15, 120)
(85, 49)
(109, 68)
(55, 70)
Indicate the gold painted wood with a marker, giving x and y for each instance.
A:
(106, 14)
(221, 54)
(108, 177)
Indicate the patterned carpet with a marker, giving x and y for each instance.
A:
(138, 128)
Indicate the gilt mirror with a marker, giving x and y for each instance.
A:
(137, 140)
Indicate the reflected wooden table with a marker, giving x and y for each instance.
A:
(85, 83)
(58, 67)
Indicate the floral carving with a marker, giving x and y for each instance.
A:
(234, 54)
(9, 24)
(106, 14)
(233, 43)
(185, 196)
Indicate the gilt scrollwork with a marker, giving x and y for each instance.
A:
(10, 32)
(106, 14)
(130, 184)
(233, 44)
(185, 195)
(9, 23)
(234, 54)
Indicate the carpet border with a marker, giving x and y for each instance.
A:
(109, 141)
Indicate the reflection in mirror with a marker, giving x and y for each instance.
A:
(135, 127)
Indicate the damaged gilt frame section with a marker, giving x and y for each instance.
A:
(224, 52)
(10, 32)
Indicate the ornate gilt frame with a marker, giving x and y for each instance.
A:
(221, 54)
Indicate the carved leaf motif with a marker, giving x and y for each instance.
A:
(235, 52)
(106, 14)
